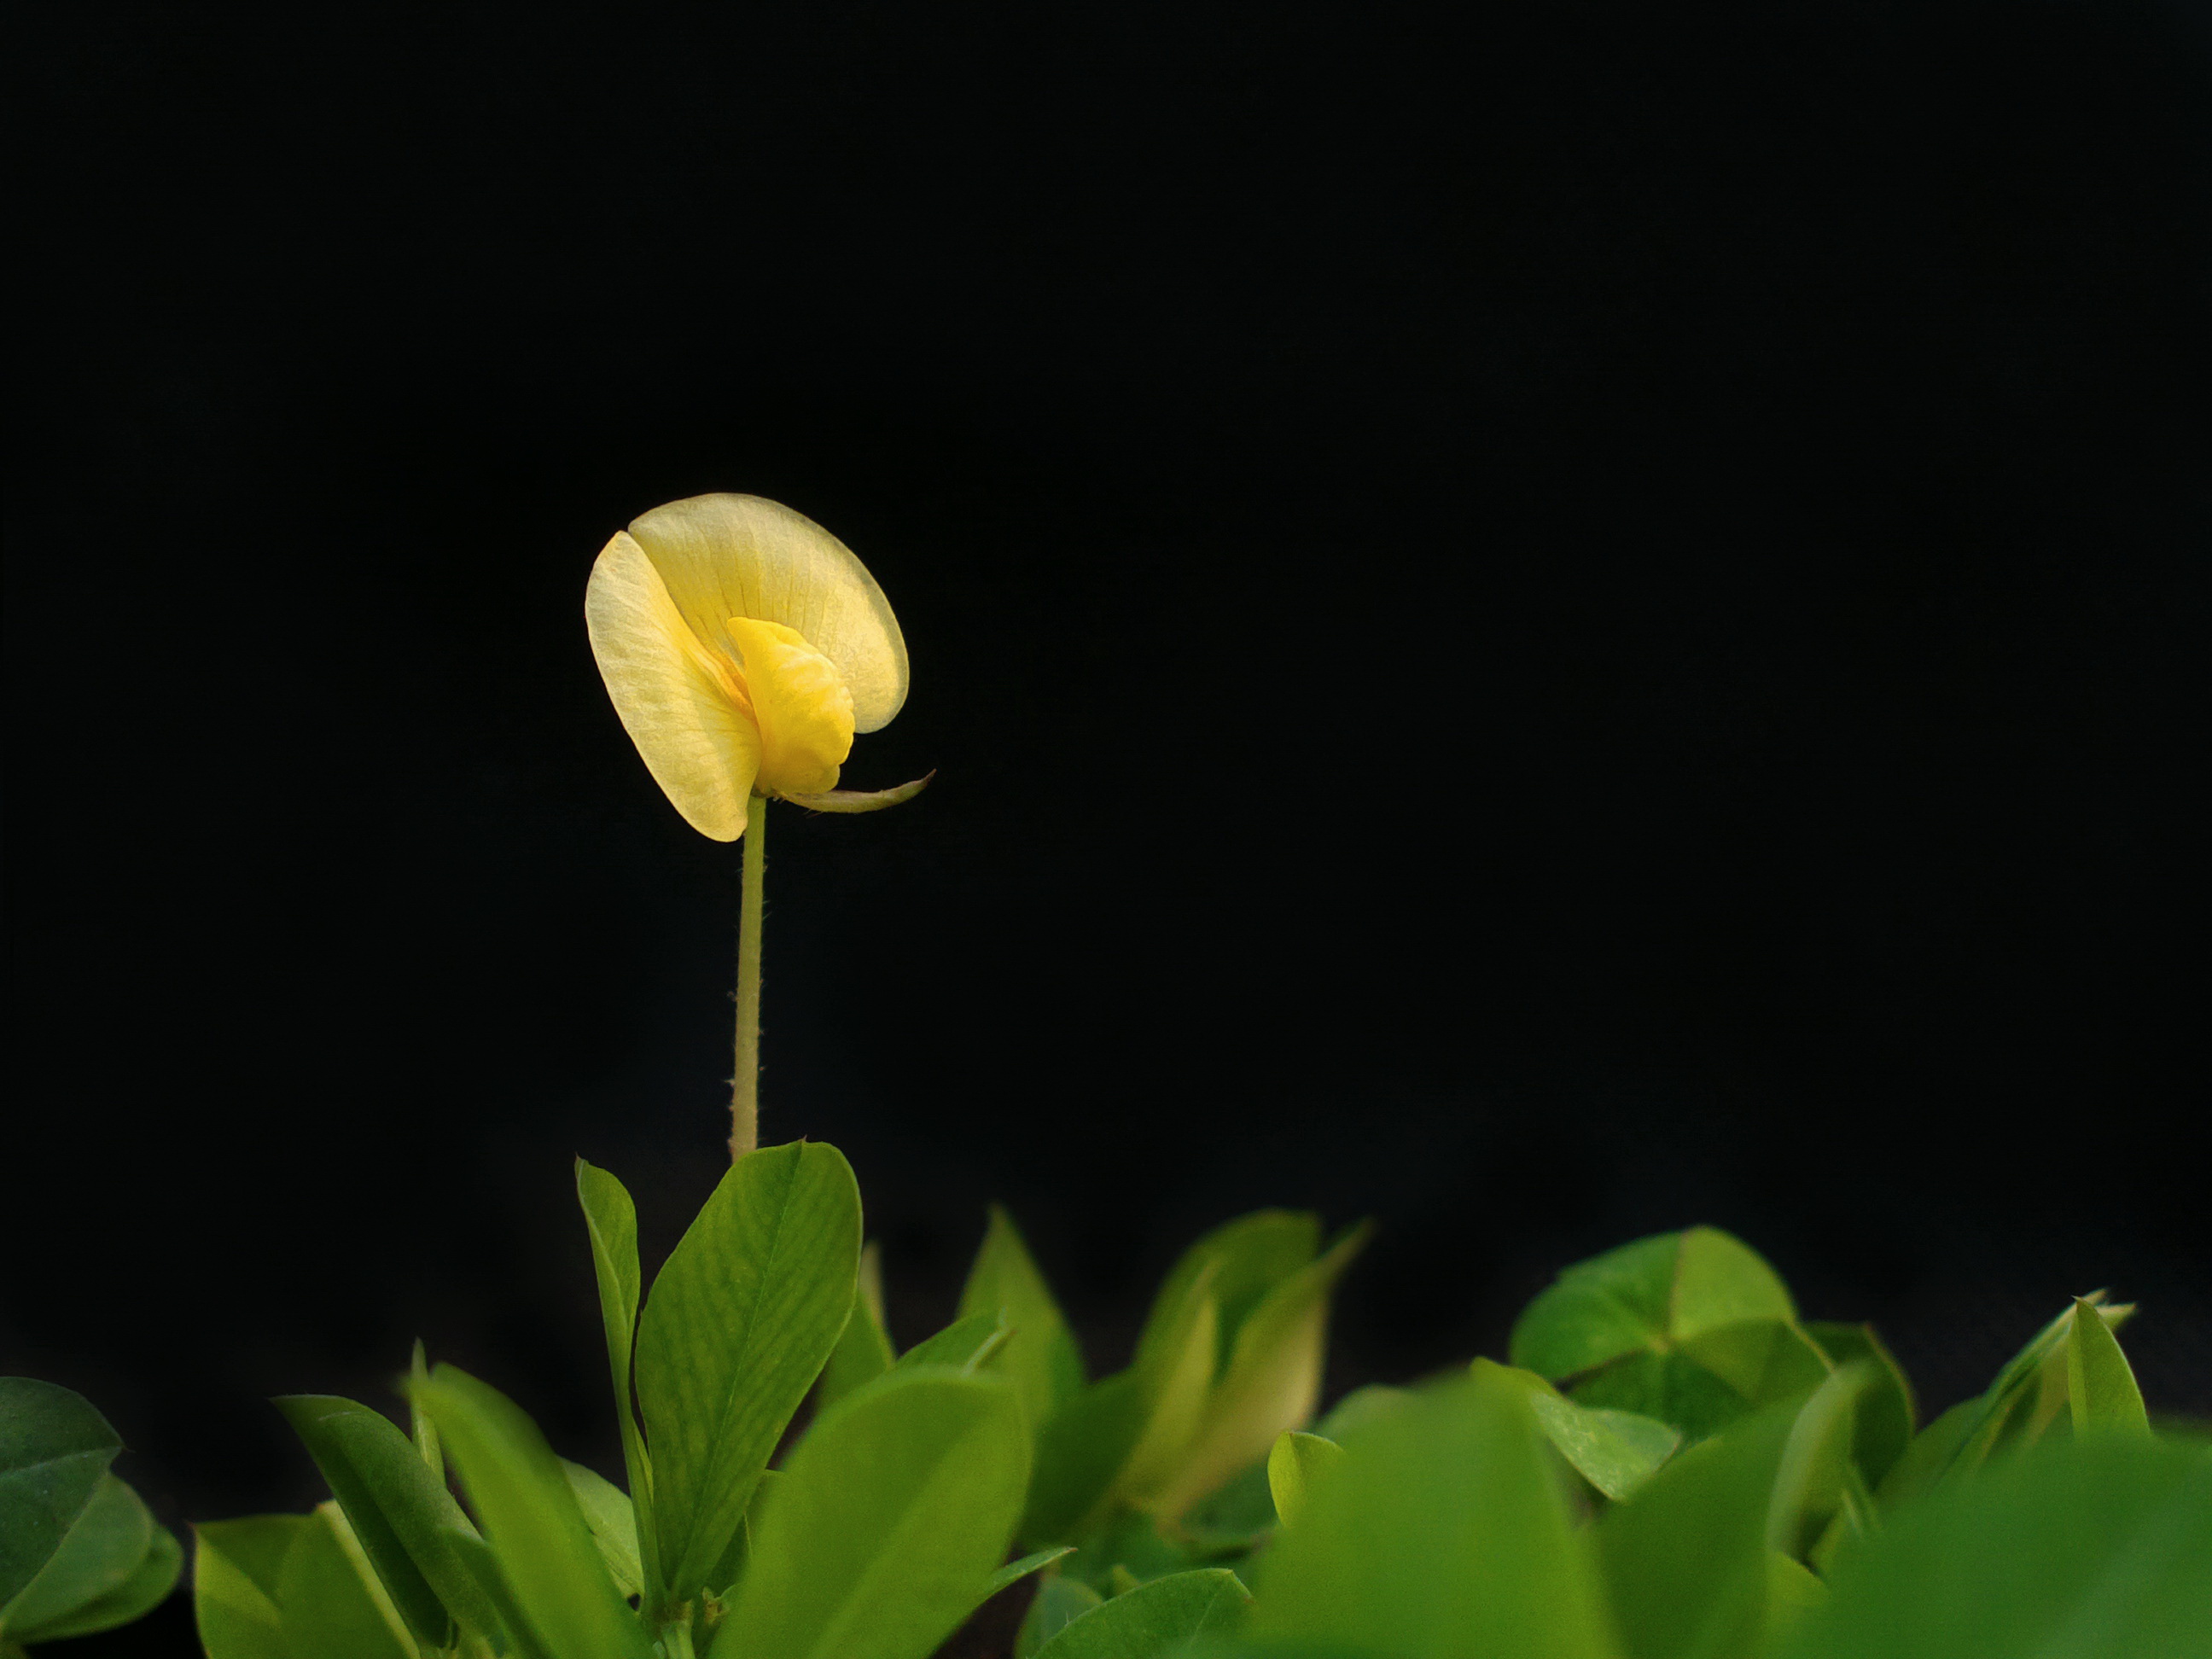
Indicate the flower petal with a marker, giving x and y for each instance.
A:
(700, 748)
(739, 555)
(800, 704)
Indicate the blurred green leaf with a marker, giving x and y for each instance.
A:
(1271, 1382)
(1080, 1449)
(1614, 1450)
(1059, 1600)
(1692, 1328)
(610, 1218)
(54, 1450)
(2028, 1395)
(887, 1524)
(401, 1514)
(531, 1521)
(1444, 1532)
(1928, 1454)
(864, 1351)
(1815, 1478)
(969, 1343)
(1041, 1359)
(329, 1601)
(237, 1574)
(1174, 1376)
(1883, 1423)
(2087, 1549)
(1232, 1520)
(1154, 1618)
(98, 1554)
(1361, 1406)
(739, 1323)
(1014, 1572)
(613, 1521)
(1234, 1265)
(1686, 1554)
(146, 1588)
(1296, 1462)
(2100, 1383)
(1671, 1388)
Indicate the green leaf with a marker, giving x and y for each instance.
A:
(1155, 1618)
(1444, 1532)
(1233, 1520)
(237, 1573)
(1600, 1309)
(887, 1524)
(1059, 1601)
(328, 1602)
(1041, 1359)
(1671, 1388)
(1175, 1377)
(1685, 1555)
(54, 1450)
(1615, 1451)
(399, 1510)
(2100, 1383)
(1361, 1406)
(2027, 1394)
(420, 1430)
(1271, 1382)
(1014, 1572)
(1235, 1266)
(613, 1521)
(968, 1344)
(740, 1323)
(1692, 1328)
(1883, 1424)
(1814, 1478)
(531, 1521)
(610, 1218)
(864, 1351)
(2092, 1548)
(1082, 1447)
(98, 1554)
(146, 1588)
(1296, 1462)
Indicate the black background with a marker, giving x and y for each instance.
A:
(1543, 626)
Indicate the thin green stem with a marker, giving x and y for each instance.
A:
(745, 1086)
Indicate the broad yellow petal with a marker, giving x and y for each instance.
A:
(800, 704)
(739, 555)
(676, 702)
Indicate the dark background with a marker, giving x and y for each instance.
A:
(1543, 626)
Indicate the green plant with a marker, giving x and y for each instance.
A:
(1674, 1465)
(79, 1553)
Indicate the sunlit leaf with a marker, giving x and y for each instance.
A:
(738, 1325)
(887, 1525)
(2073, 1549)
(237, 1577)
(1295, 1462)
(1444, 1532)
(1041, 1357)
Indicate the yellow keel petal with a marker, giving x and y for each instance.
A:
(673, 699)
(739, 555)
(799, 703)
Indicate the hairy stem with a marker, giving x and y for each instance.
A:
(745, 1086)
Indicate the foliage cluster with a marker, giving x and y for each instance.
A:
(1675, 1466)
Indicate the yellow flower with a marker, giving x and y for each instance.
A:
(744, 645)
